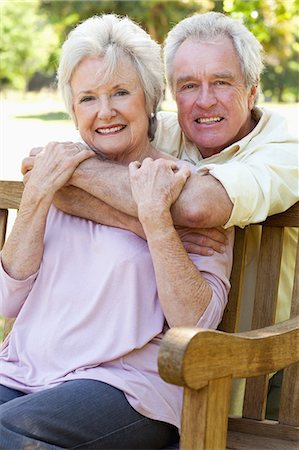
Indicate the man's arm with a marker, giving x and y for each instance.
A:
(76, 202)
(203, 202)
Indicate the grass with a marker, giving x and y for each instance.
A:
(54, 115)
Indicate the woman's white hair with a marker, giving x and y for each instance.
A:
(114, 38)
(212, 25)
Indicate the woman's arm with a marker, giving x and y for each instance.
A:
(183, 292)
(23, 250)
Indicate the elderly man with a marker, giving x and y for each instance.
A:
(247, 164)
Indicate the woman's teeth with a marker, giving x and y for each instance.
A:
(110, 130)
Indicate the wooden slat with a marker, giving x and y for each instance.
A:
(289, 218)
(10, 194)
(264, 313)
(267, 277)
(194, 419)
(289, 398)
(3, 225)
(267, 428)
(230, 318)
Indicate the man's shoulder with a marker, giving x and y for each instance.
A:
(273, 125)
(168, 136)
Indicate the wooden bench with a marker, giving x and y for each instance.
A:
(204, 361)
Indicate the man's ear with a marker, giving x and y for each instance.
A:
(252, 96)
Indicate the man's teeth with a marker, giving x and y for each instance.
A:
(208, 119)
(110, 130)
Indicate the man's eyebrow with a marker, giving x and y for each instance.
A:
(183, 79)
(224, 74)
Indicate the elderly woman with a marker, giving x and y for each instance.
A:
(92, 302)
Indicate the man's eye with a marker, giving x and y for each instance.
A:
(187, 86)
(221, 83)
(121, 93)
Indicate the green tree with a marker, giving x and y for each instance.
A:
(156, 16)
(27, 40)
(275, 24)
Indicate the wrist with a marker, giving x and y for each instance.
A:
(36, 195)
(155, 220)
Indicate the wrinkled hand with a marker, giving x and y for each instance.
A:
(156, 184)
(203, 241)
(49, 168)
(28, 162)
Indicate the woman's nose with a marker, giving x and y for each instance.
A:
(105, 109)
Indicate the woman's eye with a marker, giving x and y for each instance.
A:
(87, 98)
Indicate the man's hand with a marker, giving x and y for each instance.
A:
(203, 241)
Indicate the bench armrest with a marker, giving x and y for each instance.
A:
(192, 357)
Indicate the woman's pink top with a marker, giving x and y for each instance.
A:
(92, 311)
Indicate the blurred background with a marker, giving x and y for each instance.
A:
(32, 32)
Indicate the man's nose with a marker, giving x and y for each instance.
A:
(206, 97)
(105, 109)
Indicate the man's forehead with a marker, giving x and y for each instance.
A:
(206, 58)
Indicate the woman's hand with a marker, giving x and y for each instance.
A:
(51, 167)
(156, 185)
(29, 162)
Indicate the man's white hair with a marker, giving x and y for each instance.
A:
(210, 26)
(113, 38)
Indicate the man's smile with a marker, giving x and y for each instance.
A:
(209, 119)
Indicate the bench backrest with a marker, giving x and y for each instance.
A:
(265, 305)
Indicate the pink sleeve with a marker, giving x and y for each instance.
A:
(216, 271)
(13, 293)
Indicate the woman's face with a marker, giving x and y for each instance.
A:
(111, 116)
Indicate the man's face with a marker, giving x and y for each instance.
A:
(214, 106)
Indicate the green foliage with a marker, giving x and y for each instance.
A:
(32, 32)
(156, 16)
(26, 42)
(275, 24)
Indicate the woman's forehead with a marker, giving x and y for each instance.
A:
(94, 71)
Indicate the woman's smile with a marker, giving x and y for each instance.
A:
(113, 129)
